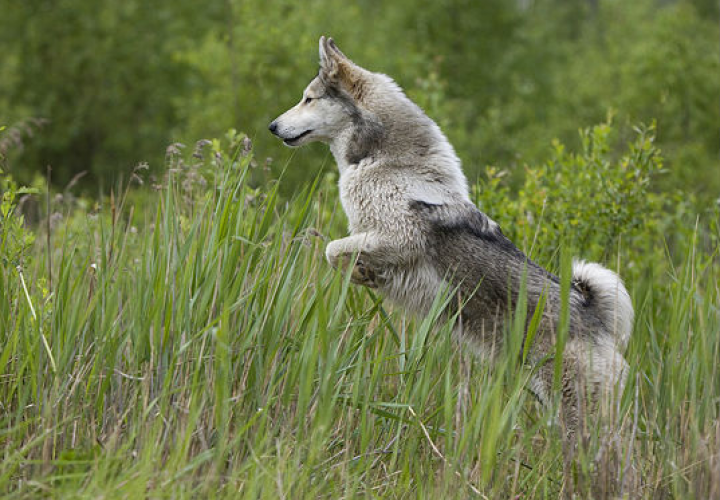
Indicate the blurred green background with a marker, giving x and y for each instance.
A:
(98, 86)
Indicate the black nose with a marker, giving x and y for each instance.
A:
(273, 127)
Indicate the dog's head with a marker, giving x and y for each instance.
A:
(329, 105)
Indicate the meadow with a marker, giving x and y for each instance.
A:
(184, 337)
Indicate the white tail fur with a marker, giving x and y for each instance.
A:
(609, 297)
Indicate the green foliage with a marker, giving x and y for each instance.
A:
(103, 74)
(596, 201)
(663, 69)
(118, 81)
(15, 243)
(193, 342)
(14, 239)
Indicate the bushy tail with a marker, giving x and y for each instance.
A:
(608, 297)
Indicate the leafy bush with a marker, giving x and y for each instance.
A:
(15, 243)
(15, 240)
(596, 202)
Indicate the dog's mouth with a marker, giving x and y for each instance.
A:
(291, 141)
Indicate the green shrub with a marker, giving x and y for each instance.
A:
(596, 202)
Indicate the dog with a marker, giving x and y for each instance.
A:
(414, 231)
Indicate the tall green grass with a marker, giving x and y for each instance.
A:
(197, 344)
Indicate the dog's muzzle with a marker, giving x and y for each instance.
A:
(289, 141)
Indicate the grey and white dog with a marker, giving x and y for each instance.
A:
(414, 231)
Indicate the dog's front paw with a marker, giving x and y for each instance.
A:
(363, 275)
(333, 252)
(360, 272)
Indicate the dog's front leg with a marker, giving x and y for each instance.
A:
(363, 253)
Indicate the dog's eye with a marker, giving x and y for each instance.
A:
(307, 100)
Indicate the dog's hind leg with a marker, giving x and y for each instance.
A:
(591, 378)
(572, 388)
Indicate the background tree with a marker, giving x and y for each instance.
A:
(118, 81)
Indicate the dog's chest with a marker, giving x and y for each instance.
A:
(374, 201)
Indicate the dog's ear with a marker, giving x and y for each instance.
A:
(336, 51)
(328, 66)
(335, 67)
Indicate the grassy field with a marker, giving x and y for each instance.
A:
(189, 340)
